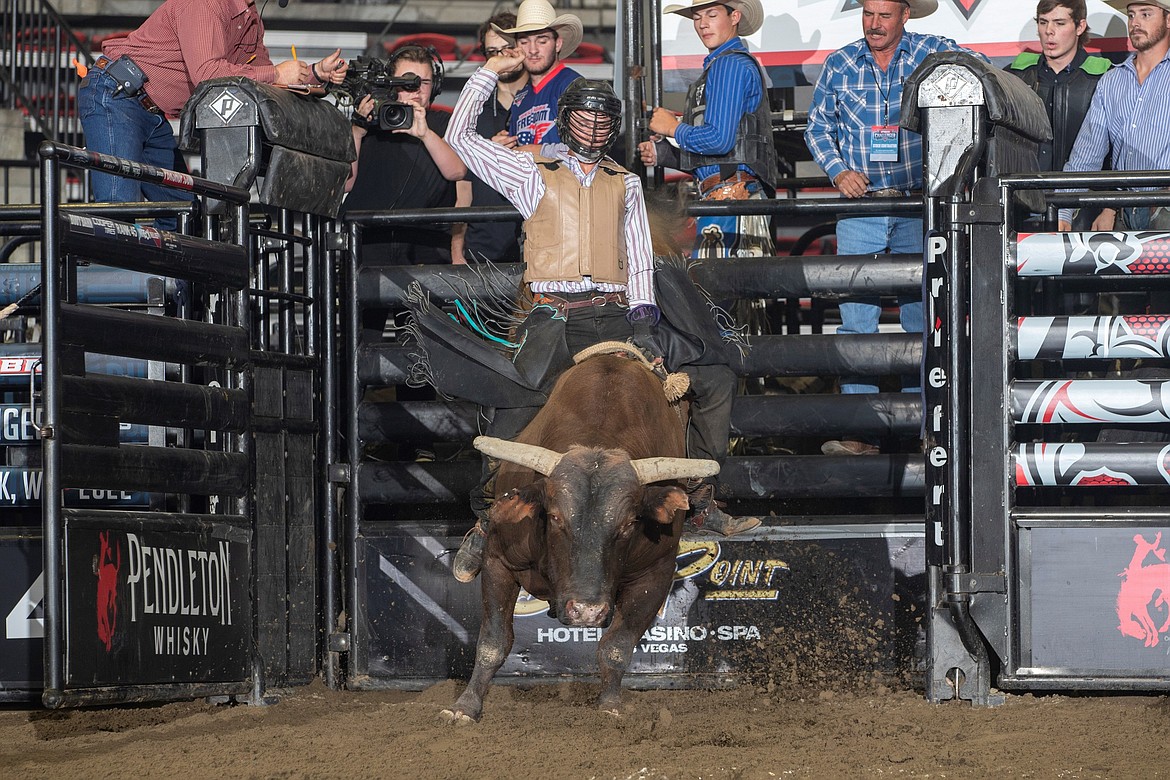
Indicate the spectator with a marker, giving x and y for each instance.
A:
(853, 135)
(1064, 76)
(1130, 114)
(498, 241)
(183, 43)
(407, 168)
(725, 141)
(544, 39)
(583, 291)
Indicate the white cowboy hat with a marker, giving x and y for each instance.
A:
(751, 11)
(1122, 5)
(536, 15)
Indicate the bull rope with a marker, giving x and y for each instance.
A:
(674, 385)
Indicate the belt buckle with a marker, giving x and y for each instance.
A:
(599, 300)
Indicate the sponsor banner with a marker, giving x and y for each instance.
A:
(1091, 465)
(21, 594)
(126, 232)
(15, 369)
(156, 606)
(1090, 401)
(17, 426)
(938, 415)
(1093, 338)
(737, 605)
(795, 39)
(1096, 599)
(1090, 254)
(23, 486)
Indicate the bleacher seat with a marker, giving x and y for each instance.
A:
(45, 38)
(588, 53)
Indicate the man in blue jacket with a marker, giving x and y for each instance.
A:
(725, 134)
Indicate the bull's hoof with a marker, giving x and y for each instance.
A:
(610, 706)
(456, 718)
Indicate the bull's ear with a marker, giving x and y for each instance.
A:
(517, 506)
(660, 503)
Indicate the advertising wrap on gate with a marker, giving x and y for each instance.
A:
(147, 606)
(1098, 598)
(21, 594)
(734, 605)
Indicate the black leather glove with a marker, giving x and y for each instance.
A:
(644, 320)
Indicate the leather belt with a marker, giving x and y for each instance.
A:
(565, 305)
(143, 98)
(890, 192)
(716, 180)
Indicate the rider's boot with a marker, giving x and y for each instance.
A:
(706, 515)
(469, 558)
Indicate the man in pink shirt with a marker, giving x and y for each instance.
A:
(146, 77)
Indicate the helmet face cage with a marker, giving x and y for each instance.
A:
(589, 118)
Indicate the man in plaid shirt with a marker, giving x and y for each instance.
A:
(853, 135)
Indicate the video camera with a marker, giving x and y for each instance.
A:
(374, 77)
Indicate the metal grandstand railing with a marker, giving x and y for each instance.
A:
(37, 70)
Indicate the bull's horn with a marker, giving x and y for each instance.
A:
(661, 469)
(536, 458)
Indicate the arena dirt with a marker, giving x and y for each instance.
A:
(552, 731)
(813, 702)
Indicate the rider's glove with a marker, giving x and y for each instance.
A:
(644, 319)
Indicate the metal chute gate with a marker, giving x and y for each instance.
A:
(286, 538)
(208, 585)
(1048, 571)
(411, 624)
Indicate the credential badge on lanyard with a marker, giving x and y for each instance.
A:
(883, 143)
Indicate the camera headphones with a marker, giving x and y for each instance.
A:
(436, 65)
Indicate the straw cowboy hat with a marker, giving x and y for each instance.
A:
(536, 15)
(751, 11)
(921, 8)
(1122, 5)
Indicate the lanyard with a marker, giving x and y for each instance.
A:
(884, 92)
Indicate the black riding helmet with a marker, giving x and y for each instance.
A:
(594, 96)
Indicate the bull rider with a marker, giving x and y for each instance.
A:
(579, 206)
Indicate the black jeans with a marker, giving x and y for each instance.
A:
(559, 340)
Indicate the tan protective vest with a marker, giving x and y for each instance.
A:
(577, 231)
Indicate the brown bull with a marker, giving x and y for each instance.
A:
(580, 521)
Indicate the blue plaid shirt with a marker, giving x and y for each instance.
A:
(852, 95)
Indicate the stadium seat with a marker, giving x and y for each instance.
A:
(588, 53)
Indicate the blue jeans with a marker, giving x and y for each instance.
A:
(119, 125)
(878, 235)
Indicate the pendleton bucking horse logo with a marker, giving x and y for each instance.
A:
(1145, 587)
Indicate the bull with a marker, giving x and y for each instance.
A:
(588, 517)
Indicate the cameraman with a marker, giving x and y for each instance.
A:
(407, 168)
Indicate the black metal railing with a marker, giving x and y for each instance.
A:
(38, 69)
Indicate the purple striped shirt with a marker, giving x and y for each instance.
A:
(515, 175)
